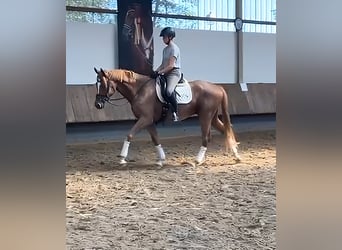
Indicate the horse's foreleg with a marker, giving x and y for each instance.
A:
(155, 139)
(200, 158)
(124, 152)
(139, 125)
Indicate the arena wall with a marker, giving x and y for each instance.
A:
(259, 99)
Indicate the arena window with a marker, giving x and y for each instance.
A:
(259, 16)
(91, 11)
(215, 15)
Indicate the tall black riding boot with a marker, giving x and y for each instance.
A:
(173, 102)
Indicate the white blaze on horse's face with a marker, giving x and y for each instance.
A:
(103, 86)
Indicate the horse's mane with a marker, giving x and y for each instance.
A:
(122, 75)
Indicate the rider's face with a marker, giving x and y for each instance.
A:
(166, 39)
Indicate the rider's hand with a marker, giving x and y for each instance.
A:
(154, 74)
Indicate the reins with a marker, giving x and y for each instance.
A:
(107, 99)
(110, 101)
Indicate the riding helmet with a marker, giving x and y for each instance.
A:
(168, 32)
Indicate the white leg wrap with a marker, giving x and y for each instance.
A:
(124, 150)
(201, 154)
(160, 152)
(236, 154)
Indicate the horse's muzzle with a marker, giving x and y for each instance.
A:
(100, 102)
(99, 105)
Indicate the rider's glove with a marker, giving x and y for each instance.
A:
(154, 74)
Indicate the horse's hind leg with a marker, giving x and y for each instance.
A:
(217, 123)
(155, 139)
(205, 121)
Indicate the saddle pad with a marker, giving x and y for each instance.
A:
(183, 93)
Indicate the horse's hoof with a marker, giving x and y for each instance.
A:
(159, 163)
(199, 163)
(238, 158)
(123, 161)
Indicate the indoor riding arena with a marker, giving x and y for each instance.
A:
(135, 202)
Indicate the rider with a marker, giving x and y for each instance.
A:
(170, 67)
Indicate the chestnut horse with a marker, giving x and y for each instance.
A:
(140, 91)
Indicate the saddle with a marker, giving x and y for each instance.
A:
(182, 93)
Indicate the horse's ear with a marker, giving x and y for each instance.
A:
(96, 70)
(103, 72)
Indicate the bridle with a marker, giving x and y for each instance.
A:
(105, 98)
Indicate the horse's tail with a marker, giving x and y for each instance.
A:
(230, 141)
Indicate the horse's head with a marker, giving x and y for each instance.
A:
(128, 27)
(105, 86)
